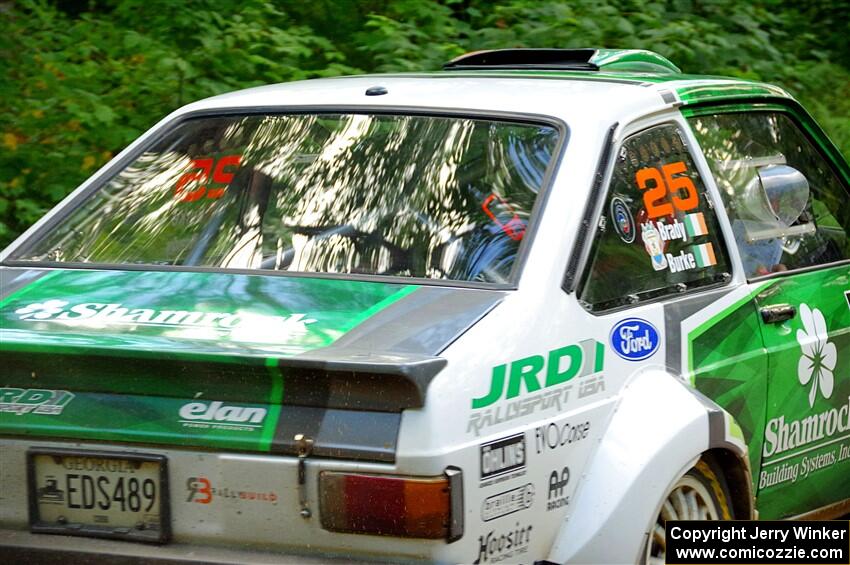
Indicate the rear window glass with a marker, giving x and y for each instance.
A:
(411, 196)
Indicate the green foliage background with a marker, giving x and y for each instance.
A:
(81, 80)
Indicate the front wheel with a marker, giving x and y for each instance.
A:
(700, 494)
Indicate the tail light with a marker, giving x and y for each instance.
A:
(388, 505)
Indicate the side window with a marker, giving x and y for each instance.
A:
(658, 234)
(787, 207)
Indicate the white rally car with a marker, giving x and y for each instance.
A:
(525, 309)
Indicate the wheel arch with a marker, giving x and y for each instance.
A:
(645, 448)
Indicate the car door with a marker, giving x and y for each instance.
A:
(790, 215)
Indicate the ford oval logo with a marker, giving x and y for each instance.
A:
(634, 339)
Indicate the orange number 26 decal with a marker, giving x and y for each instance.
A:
(658, 183)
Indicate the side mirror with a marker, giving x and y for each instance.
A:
(786, 191)
(772, 201)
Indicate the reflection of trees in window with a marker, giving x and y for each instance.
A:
(736, 146)
(375, 194)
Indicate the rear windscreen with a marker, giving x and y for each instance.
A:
(411, 196)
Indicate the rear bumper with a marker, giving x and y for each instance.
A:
(251, 516)
(23, 547)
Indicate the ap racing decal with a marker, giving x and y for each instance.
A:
(539, 383)
(557, 496)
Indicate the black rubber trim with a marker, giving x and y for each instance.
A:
(586, 229)
(556, 59)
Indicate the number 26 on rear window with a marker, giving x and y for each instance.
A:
(664, 193)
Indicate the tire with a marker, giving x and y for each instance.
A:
(699, 494)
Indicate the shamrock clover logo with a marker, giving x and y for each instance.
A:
(41, 310)
(819, 355)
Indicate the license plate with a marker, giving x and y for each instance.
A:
(99, 494)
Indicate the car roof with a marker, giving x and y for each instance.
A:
(573, 96)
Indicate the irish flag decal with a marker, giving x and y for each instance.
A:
(704, 255)
(695, 224)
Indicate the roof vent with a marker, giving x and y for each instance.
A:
(605, 60)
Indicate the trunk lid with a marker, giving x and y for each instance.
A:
(222, 360)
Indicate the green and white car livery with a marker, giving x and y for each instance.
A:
(525, 309)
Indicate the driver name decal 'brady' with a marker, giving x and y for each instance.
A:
(556, 370)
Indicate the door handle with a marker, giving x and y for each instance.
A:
(778, 313)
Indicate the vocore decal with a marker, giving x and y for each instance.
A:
(544, 383)
(634, 339)
(553, 436)
(94, 314)
(815, 372)
(22, 401)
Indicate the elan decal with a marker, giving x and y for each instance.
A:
(507, 502)
(218, 415)
(92, 314)
(815, 373)
(634, 339)
(22, 401)
(503, 459)
(539, 383)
